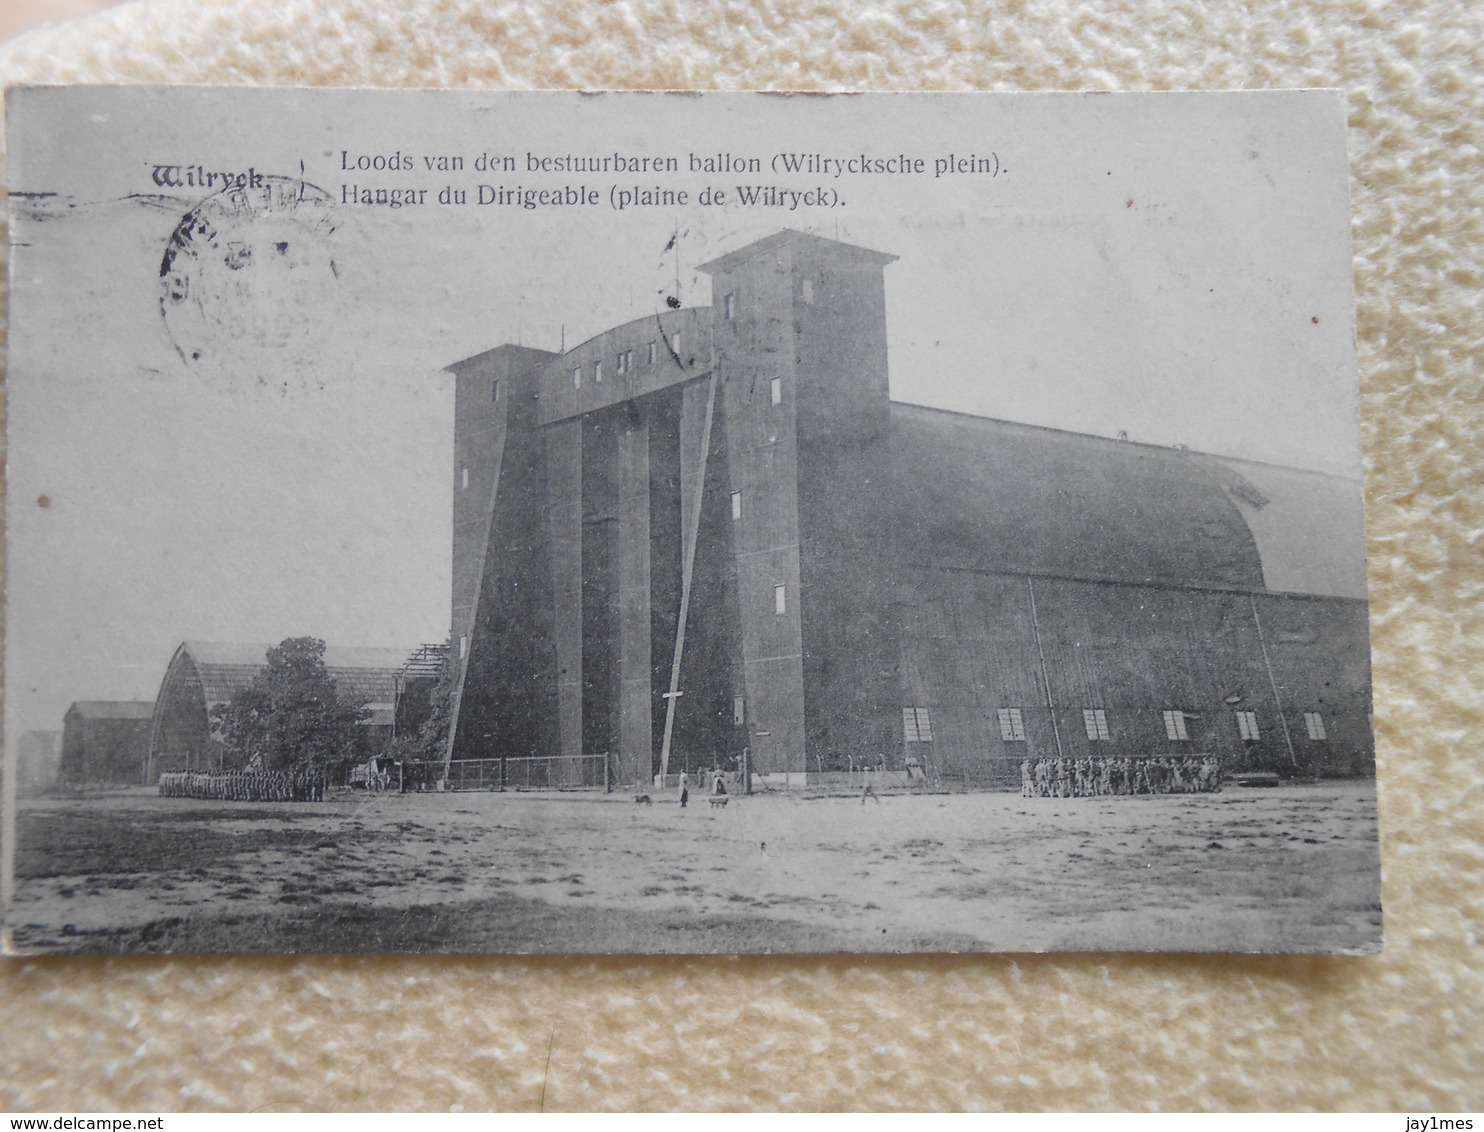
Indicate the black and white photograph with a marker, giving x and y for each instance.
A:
(657, 523)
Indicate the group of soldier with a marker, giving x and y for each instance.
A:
(245, 785)
(1093, 777)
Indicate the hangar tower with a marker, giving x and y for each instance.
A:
(801, 338)
(681, 504)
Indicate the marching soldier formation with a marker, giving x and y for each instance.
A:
(1090, 778)
(245, 785)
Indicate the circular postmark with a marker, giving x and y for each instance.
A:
(248, 278)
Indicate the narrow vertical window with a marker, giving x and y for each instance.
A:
(576, 377)
(1012, 725)
(739, 710)
(464, 477)
(806, 291)
(775, 390)
(651, 353)
(917, 725)
(1315, 724)
(463, 645)
(597, 371)
(1247, 726)
(924, 726)
(675, 343)
(1095, 723)
(1175, 725)
(736, 505)
(780, 599)
(729, 307)
(495, 389)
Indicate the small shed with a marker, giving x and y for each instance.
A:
(38, 759)
(105, 743)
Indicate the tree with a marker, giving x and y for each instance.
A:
(291, 717)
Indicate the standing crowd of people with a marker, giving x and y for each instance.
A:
(718, 779)
(245, 785)
(1088, 778)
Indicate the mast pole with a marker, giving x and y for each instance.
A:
(687, 572)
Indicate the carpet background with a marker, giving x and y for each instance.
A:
(1404, 1030)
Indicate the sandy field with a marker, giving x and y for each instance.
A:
(1287, 869)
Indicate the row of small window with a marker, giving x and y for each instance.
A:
(736, 500)
(775, 393)
(729, 302)
(623, 361)
(1247, 727)
(918, 725)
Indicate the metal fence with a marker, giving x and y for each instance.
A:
(990, 772)
(558, 772)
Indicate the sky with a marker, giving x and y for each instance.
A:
(272, 456)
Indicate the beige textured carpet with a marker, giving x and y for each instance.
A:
(1402, 1031)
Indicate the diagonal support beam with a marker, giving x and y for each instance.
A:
(462, 662)
(687, 570)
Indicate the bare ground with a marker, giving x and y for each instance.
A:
(1288, 869)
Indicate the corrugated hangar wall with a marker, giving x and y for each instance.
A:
(852, 559)
(977, 644)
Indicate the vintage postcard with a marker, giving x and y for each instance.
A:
(568, 522)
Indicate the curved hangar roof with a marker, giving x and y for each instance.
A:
(110, 709)
(221, 670)
(981, 494)
(1309, 527)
